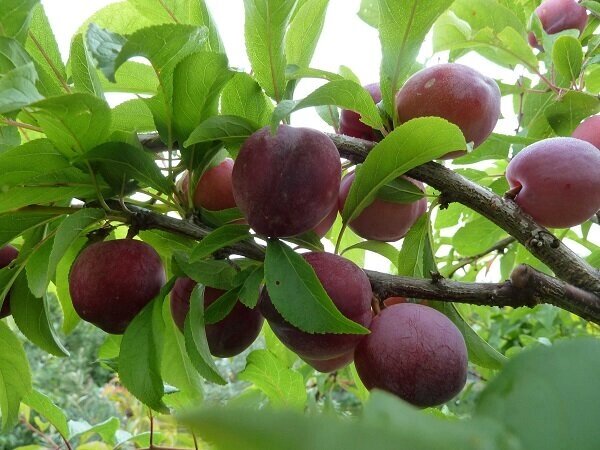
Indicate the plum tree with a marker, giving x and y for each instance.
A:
(383, 220)
(231, 335)
(285, 184)
(350, 123)
(214, 190)
(559, 15)
(414, 352)
(110, 282)
(589, 130)
(348, 287)
(456, 93)
(557, 181)
(7, 254)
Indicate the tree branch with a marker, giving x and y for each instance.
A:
(505, 213)
(500, 246)
(527, 287)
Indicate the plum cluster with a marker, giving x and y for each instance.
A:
(290, 183)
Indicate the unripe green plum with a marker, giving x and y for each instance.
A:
(559, 181)
(350, 290)
(214, 190)
(350, 123)
(414, 352)
(231, 335)
(589, 130)
(111, 282)
(7, 254)
(285, 184)
(383, 220)
(559, 15)
(330, 365)
(454, 92)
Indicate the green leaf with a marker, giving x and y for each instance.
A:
(121, 17)
(346, 94)
(403, 25)
(141, 351)
(243, 97)
(85, 77)
(15, 17)
(298, 295)
(219, 238)
(283, 386)
(43, 48)
(264, 30)
(164, 46)
(567, 56)
(251, 288)
(400, 190)
(480, 352)
(214, 273)
(18, 88)
(222, 306)
(106, 430)
(387, 424)
(9, 138)
(13, 225)
(31, 316)
(196, 92)
(46, 408)
(177, 369)
(132, 115)
(546, 396)
(304, 31)
(195, 338)
(105, 46)
(385, 162)
(566, 113)
(124, 161)
(75, 123)
(70, 316)
(384, 249)
(415, 247)
(37, 247)
(192, 12)
(369, 12)
(132, 78)
(477, 236)
(15, 376)
(69, 230)
(226, 129)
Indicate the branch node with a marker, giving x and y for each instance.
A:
(436, 277)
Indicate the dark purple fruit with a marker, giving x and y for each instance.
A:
(414, 352)
(287, 183)
(111, 282)
(7, 254)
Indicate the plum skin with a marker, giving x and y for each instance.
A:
(350, 290)
(589, 130)
(382, 220)
(286, 184)
(111, 282)
(559, 179)
(560, 15)
(214, 190)
(456, 93)
(414, 352)
(7, 254)
(325, 225)
(330, 365)
(350, 123)
(228, 337)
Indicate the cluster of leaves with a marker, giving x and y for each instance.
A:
(62, 146)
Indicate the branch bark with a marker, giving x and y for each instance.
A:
(527, 287)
